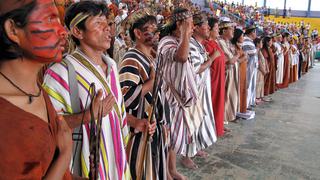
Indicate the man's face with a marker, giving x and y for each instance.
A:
(229, 32)
(112, 26)
(97, 34)
(150, 35)
(203, 30)
(43, 37)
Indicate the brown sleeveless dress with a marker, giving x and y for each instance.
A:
(28, 144)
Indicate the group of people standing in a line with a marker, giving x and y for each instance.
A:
(176, 86)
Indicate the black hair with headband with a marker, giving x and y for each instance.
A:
(179, 14)
(90, 8)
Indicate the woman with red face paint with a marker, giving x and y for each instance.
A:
(38, 143)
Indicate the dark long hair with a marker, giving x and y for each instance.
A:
(212, 21)
(236, 35)
(265, 42)
(10, 50)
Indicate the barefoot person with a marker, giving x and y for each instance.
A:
(137, 76)
(179, 89)
(38, 145)
(205, 135)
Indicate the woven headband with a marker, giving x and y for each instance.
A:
(77, 19)
(181, 16)
(226, 25)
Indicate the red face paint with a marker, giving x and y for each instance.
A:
(44, 35)
(151, 36)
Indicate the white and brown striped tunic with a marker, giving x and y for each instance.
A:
(205, 135)
(180, 94)
(232, 83)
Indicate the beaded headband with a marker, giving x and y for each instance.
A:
(181, 16)
(226, 25)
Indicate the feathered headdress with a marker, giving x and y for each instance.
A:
(138, 14)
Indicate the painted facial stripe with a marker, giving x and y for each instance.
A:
(35, 22)
(47, 47)
(48, 58)
(41, 31)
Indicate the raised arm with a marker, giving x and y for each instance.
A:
(186, 30)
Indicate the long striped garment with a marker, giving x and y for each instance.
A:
(113, 162)
(179, 92)
(205, 135)
(134, 72)
(252, 68)
(232, 90)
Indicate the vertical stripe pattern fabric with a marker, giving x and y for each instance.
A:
(179, 92)
(231, 83)
(252, 67)
(115, 133)
(205, 135)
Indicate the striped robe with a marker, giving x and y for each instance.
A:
(134, 72)
(179, 92)
(231, 104)
(205, 135)
(113, 162)
(252, 67)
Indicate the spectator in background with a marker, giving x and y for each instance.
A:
(120, 46)
(113, 8)
(122, 14)
(160, 18)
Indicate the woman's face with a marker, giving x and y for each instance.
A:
(44, 37)
(259, 45)
(214, 33)
(241, 38)
(269, 43)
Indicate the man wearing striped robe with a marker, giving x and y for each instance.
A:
(88, 25)
(179, 89)
(205, 136)
(250, 49)
(137, 76)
